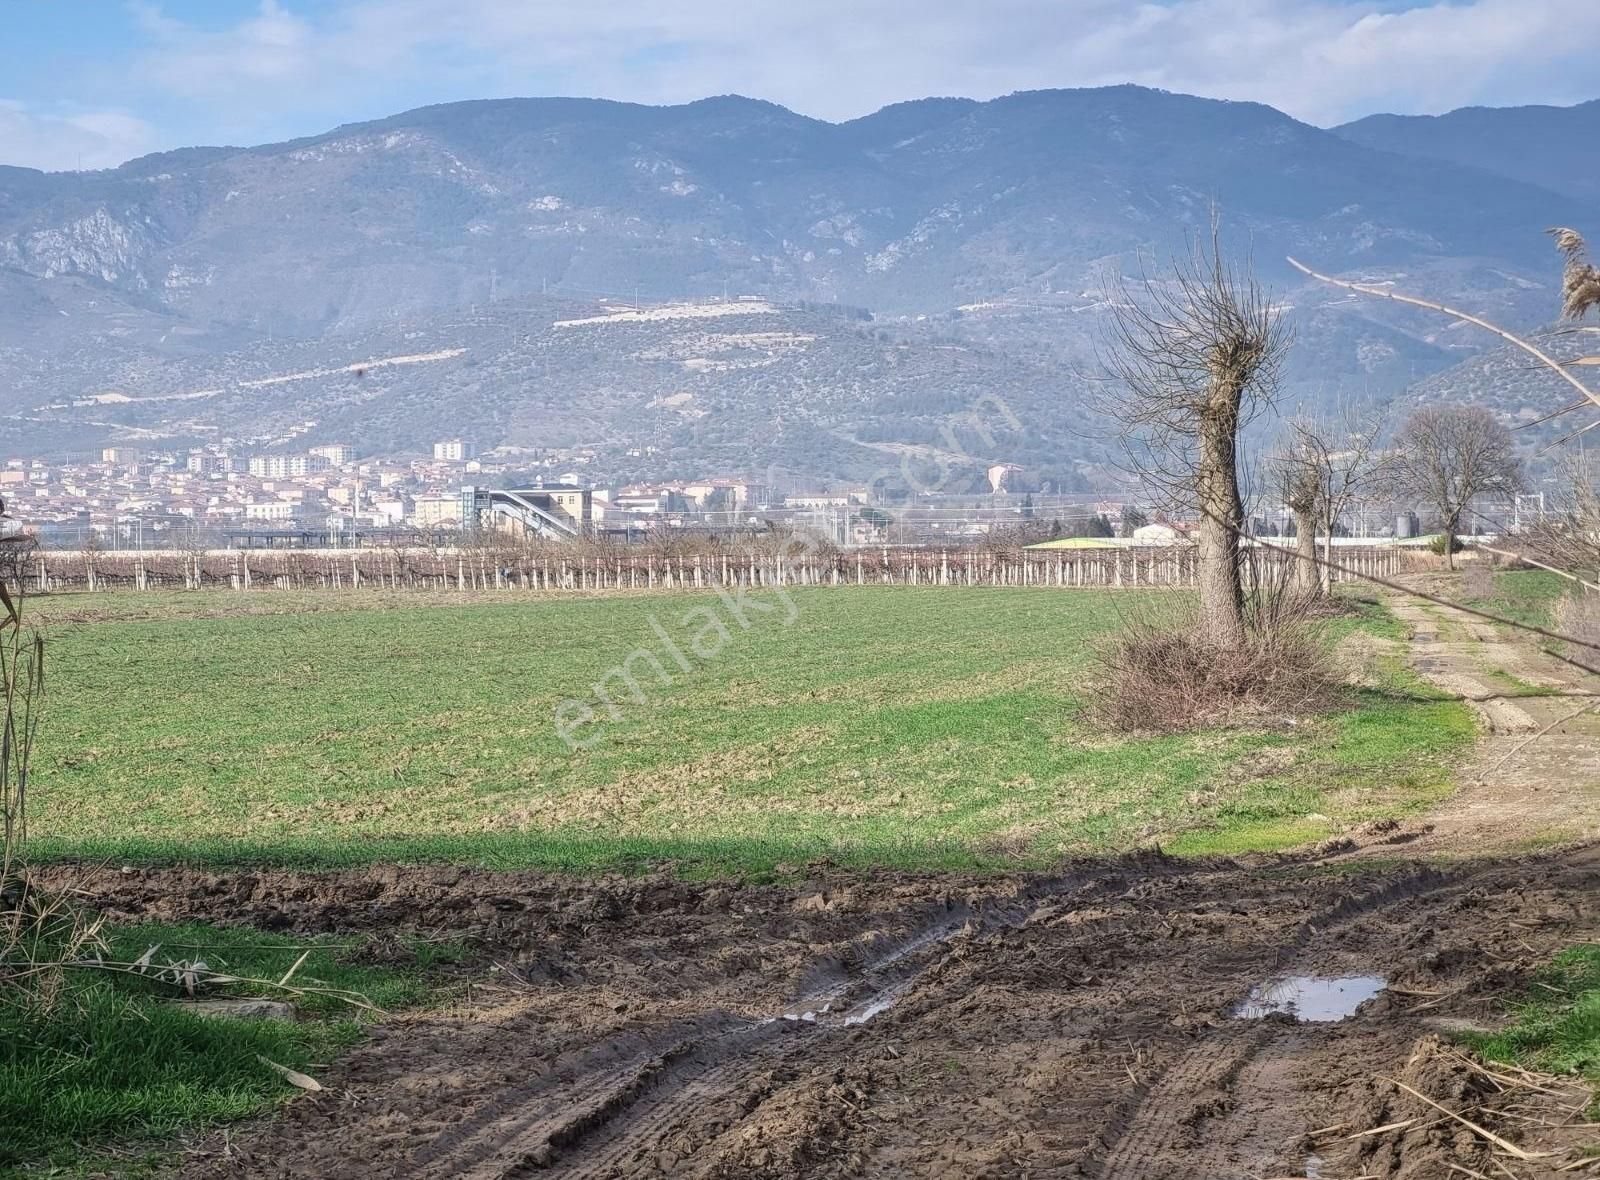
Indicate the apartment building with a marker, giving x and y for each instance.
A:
(286, 466)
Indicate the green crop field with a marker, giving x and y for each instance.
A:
(887, 726)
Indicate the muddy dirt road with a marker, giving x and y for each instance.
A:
(1536, 772)
(1079, 1024)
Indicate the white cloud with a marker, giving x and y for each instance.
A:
(53, 141)
(273, 48)
(1321, 60)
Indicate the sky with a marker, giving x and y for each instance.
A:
(91, 83)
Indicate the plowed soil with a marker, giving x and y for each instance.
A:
(1074, 1024)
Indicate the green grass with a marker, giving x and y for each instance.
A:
(1524, 596)
(1366, 613)
(1390, 755)
(882, 726)
(1558, 1028)
(111, 1061)
(1513, 686)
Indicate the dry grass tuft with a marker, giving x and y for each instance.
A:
(1580, 281)
(1164, 677)
(1578, 615)
(1477, 580)
(39, 934)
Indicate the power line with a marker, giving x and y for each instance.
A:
(1415, 593)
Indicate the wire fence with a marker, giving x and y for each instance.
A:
(525, 569)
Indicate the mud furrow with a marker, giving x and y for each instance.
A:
(582, 1077)
(603, 1123)
(596, 1126)
(1163, 1124)
(626, 1103)
(1071, 1025)
(640, 1130)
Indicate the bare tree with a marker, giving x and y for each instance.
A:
(1448, 456)
(1196, 354)
(1326, 462)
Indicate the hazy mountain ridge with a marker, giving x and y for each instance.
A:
(1553, 147)
(919, 207)
(1013, 210)
(1516, 386)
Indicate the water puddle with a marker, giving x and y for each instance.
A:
(860, 1014)
(1310, 997)
(867, 1011)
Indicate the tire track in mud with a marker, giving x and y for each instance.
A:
(517, 1127)
(630, 1103)
(603, 1113)
(1228, 1090)
(1072, 1025)
(638, 1130)
(1164, 1131)
(633, 1088)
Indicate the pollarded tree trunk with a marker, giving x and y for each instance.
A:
(1221, 515)
(1325, 574)
(1306, 578)
(1306, 575)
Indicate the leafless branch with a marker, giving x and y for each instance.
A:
(1195, 355)
(1510, 337)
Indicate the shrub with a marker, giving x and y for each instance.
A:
(1165, 677)
(1437, 545)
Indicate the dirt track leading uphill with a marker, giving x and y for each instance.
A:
(1076, 1024)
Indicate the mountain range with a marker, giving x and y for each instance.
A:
(1552, 147)
(931, 253)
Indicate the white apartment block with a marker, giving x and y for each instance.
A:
(433, 511)
(286, 466)
(270, 510)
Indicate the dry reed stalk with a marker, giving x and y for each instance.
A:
(1584, 1163)
(36, 930)
(1504, 1145)
(1580, 281)
(192, 976)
